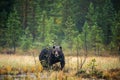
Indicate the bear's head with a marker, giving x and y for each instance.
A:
(57, 51)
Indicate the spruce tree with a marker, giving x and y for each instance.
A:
(105, 20)
(70, 31)
(13, 30)
(116, 33)
(94, 32)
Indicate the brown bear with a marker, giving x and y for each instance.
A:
(50, 56)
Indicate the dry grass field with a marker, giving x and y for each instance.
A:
(19, 64)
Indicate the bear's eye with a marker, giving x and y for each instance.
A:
(60, 47)
(53, 47)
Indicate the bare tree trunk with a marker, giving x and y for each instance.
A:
(119, 49)
(43, 27)
(85, 54)
(85, 44)
(13, 44)
(95, 50)
(77, 56)
(33, 18)
(14, 47)
(83, 61)
(25, 8)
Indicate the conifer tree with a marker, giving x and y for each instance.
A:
(105, 20)
(94, 35)
(116, 33)
(70, 31)
(13, 29)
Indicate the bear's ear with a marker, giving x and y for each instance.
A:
(60, 47)
(53, 47)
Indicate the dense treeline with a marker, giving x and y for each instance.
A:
(73, 24)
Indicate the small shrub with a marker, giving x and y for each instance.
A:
(82, 74)
(93, 72)
(92, 66)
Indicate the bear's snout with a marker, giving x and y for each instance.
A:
(56, 54)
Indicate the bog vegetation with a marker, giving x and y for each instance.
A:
(94, 67)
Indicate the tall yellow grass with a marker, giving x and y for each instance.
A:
(23, 64)
(16, 61)
(20, 61)
(103, 63)
(26, 64)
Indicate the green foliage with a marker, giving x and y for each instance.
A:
(105, 20)
(115, 32)
(70, 31)
(50, 31)
(91, 15)
(14, 30)
(78, 43)
(26, 41)
(91, 30)
(92, 66)
(72, 24)
(84, 35)
(92, 69)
